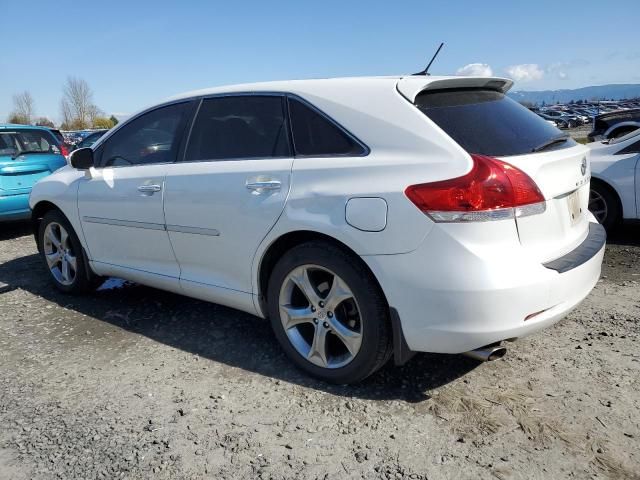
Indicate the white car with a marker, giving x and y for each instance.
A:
(366, 217)
(615, 183)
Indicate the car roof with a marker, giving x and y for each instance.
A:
(13, 126)
(409, 85)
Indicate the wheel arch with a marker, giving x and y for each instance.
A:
(626, 126)
(39, 210)
(607, 185)
(286, 242)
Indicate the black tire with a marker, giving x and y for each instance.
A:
(602, 193)
(84, 280)
(375, 348)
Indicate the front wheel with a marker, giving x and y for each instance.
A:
(62, 255)
(328, 313)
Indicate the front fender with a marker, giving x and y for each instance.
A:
(61, 190)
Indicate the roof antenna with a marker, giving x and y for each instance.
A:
(426, 70)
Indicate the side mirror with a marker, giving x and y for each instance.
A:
(82, 159)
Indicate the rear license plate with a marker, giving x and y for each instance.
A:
(575, 210)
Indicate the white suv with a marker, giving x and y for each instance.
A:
(366, 217)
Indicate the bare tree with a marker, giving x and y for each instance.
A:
(77, 106)
(23, 108)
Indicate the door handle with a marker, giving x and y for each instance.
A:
(261, 186)
(149, 188)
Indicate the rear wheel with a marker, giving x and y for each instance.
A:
(62, 254)
(328, 313)
(604, 205)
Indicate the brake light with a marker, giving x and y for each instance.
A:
(492, 190)
(64, 150)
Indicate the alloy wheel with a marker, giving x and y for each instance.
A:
(320, 316)
(598, 206)
(59, 254)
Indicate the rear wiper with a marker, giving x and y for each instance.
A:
(559, 139)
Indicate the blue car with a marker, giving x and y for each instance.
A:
(27, 154)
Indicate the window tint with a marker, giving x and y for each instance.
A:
(228, 128)
(150, 138)
(633, 148)
(488, 122)
(314, 134)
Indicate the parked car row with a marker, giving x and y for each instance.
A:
(576, 114)
(85, 138)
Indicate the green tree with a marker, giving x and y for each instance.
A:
(114, 120)
(102, 122)
(44, 122)
(18, 118)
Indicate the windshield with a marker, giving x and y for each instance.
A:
(489, 123)
(19, 141)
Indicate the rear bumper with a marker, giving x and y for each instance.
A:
(15, 207)
(452, 296)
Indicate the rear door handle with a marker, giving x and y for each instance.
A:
(261, 186)
(151, 189)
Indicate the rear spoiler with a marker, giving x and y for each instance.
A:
(410, 87)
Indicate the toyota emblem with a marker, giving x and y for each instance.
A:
(583, 166)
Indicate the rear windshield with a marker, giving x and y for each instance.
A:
(17, 142)
(488, 122)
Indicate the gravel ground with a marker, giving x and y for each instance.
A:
(132, 382)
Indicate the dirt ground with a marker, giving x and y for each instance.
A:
(132, 382)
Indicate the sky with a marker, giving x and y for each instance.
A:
(136, 53)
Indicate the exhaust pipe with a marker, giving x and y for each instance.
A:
(488, 353)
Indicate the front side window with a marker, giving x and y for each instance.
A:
(150, 138)
(239, 127)
(315, 135)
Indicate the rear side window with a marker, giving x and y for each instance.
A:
(315, 135)
(235, 127)
(487, 122)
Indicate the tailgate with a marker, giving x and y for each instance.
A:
(17, 178)
(563, 177)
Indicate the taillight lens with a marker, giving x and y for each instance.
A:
(64, 150)
(492, 190)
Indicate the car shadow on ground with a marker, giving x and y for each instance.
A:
(228, 336)
(11, 230)
(627, 234)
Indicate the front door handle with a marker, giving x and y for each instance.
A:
(264, 185)
(150, 189)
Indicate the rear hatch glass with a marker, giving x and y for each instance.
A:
(24, 158)
(488, 122)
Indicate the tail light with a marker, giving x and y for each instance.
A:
(64, 150)
(492, 190)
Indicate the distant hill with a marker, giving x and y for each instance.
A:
(598, 92)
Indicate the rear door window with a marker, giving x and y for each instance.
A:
(239, 127)
(487, 122)
(316, 135)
